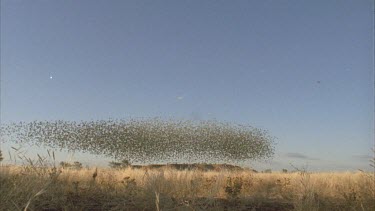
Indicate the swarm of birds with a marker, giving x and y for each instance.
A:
(148, 140)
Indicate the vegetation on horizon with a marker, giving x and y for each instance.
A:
(1, 156)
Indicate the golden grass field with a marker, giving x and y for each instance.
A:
(34, 188)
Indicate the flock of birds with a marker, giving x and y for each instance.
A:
(147, 140)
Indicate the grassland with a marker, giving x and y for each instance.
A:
(32, 187)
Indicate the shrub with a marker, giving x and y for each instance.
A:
(75, 165)
(233, 187)
(267, 171)
(1, 156)
(119, 165)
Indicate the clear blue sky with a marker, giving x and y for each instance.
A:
(301, 69)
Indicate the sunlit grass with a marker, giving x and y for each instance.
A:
(170, 189)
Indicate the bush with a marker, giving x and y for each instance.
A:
(119, 165)
(75, 165)
(267, 171)
(233, 187)
(1, 156)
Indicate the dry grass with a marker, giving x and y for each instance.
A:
(47, 188)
